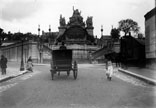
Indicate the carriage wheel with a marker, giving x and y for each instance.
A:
(68, 73)
(75, 70)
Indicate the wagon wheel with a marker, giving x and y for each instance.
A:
(68, 73)
(75, 70)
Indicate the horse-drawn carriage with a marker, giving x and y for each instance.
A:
(62, 62)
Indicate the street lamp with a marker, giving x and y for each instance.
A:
(41, 49)
(40, 46)
(49, 34)
(22, 63)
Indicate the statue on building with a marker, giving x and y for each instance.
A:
(76, 12)
(76, 18)
(89, 22)
(62, 21)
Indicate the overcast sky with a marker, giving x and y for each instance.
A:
(26, 15)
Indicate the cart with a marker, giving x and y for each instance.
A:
(62, 62)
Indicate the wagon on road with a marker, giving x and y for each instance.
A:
(62, 62)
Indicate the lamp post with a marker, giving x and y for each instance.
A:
(49, 34)
(101, 30)
(40, 49)
(22, 63)
(40, 45)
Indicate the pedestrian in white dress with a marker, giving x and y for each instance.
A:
(109, 70)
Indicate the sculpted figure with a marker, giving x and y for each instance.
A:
(76, 13)
(89, 22)
(62, 21)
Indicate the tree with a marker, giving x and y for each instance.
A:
(9, 36)
(115, 33)
(28, 36)
(1, 31)
(18, 36)
(128, 26)
(2, 36)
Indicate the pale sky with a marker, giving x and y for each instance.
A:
(26, 15)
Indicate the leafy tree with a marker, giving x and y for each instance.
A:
(128, 25)
(1, 30)
(115, 33)
(2, 36)
(9, 36)
(28, 36)
(1, 33)
(18, 36)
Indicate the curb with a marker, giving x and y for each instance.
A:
(13, 76)
(35, 64)
(141, 77)
(7, 78)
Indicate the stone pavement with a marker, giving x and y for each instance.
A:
(145, 74)
(13, 70)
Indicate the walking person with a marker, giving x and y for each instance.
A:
(29, 66)
(109, 70)
(3, 64)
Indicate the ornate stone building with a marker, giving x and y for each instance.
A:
(77, 35)
(76, 31)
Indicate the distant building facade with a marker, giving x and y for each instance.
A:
(104, 41)
(49, 37)
(150, 34)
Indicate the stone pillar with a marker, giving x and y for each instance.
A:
(61, 30)
(90, 30)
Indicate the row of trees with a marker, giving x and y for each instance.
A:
(126, 26)
(10, 37)
(5, 37)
